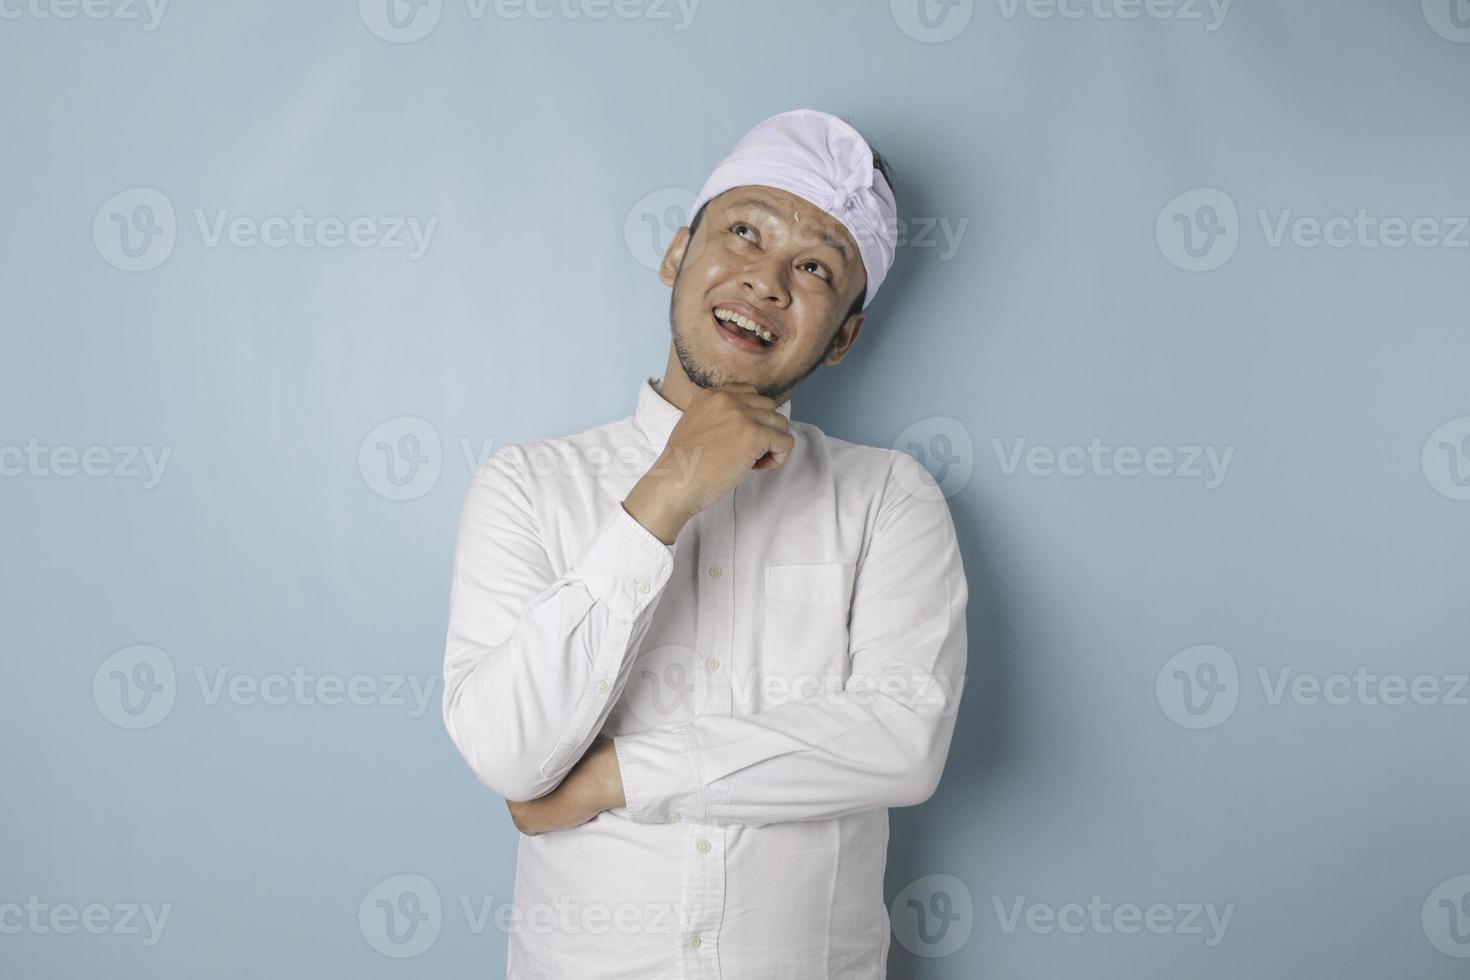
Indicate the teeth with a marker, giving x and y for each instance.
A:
(745, 324)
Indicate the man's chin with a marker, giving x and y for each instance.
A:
(713, 373)
(708, 373)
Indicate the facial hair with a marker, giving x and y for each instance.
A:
(705, 378)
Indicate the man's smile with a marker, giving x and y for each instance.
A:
(744, 328)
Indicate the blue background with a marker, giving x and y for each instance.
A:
(553, 155)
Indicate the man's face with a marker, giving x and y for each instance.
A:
(769, 257)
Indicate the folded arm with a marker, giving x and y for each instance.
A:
(534, 661)
(879, 741)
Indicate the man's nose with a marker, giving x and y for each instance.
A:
(768, 280)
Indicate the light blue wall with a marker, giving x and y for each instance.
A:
(1054, 161)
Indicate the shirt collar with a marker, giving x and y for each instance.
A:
(656, 416)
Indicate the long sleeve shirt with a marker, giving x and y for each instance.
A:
(773, 681)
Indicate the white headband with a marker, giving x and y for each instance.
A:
(818, 157)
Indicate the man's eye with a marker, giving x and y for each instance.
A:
(817, 267)
(740, 224)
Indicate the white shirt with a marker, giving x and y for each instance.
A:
(755, 833)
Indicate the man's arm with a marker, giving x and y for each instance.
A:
(836, 754)
(534, 662)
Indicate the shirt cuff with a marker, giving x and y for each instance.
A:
(660, 771)
(625, 565)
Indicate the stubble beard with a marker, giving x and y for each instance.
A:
(704, 377)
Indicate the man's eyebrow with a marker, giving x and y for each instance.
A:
(834, 243)
(837, 244)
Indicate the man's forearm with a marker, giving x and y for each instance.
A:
(593, 786)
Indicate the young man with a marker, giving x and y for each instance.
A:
(702, 649)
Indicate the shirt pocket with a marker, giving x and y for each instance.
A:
(804, 636)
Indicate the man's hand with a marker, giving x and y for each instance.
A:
(724, 434)
(594, 784)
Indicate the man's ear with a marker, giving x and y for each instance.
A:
(847, 335)
(668, 269)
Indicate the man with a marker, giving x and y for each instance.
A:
(702, 649)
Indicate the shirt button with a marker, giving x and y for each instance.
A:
(703, 846)
(714, 571)
(642, 585)
(602, 687)
(694, 942)
(713, 663)
(673, 817)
